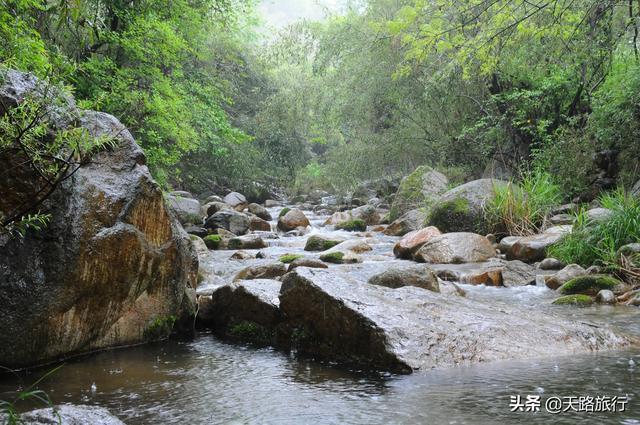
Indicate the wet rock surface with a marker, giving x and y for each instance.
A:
(342, 318)
(68, 414)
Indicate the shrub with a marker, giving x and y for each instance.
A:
(599, 242)
(522, 209)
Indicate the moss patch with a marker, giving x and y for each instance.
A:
(589, 285)
(356, 225)
(456, 215)
(288, 258)
(160, 328)
(284, 211)
(333, 257)
(212, 241)
(249, 331)
(317, 243)
(575, 299)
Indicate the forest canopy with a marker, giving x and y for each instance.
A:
(470, 87)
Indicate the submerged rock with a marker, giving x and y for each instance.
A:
(339, 318)
(262, 271)
(68, 414)
(246, 242)
(589, 285)
(307, 262)
(456, 248)
(575, 299)
(420, 276)
(321, 242)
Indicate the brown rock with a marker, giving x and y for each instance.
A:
(413, 241)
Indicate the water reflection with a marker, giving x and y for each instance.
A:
(207, 381)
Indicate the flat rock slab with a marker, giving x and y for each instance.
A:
(68, 414)
(343, 319)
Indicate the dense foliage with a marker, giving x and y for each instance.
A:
(470, 87)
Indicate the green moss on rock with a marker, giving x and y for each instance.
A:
(590, 285)
(284, 211)
(356, 225)
(160, 328)
(249, 331)
(575, 299)
(318, 243)
(212, 241)
(333, 257)
(288, 258)
(456, 215)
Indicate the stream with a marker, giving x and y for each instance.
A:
(207, 381)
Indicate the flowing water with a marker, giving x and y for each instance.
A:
(207, 381)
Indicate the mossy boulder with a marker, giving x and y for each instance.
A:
(213, 241)
(320, 243)
(461, 209)
(589, 285)
(356, 225)
(333, 257)
(288, 258)
(574, 299)
(419, 189)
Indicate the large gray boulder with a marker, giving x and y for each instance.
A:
(419, 189)
(461, 209)
(68, 414)
(340, 318)
(187, 210)
(233, 221)
(246, 309)
(455, 248)
(260, 211)
(112, 268)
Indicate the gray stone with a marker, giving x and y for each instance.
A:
(186, 209)
(293, 219)
(112, 261)
(246, 242)
(340, 318)
(418, 275)
(534, 248)
(563, 276)
(606, 296)
(260, 211)
(408, 222)
(456, 248)
(236, 201)
(262, 271)
(252, 303)
(550, 264)
(68, 414)
(307, 262)
(598, 215)
(419, 189)
(233, 221)
(462, 209)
